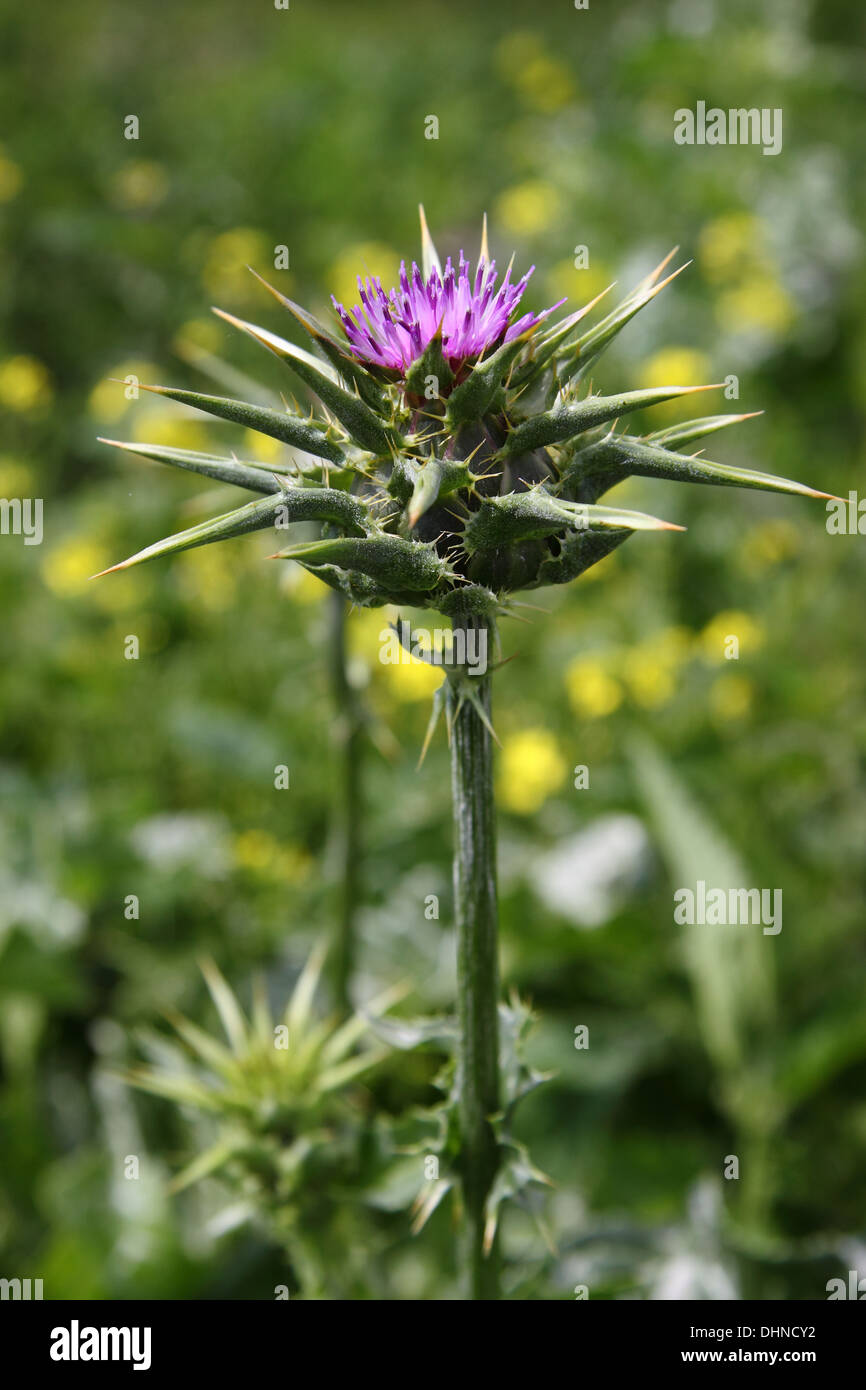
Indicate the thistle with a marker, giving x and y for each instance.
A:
(458, 455)
(275, 1091)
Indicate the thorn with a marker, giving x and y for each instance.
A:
(654, 274)
(650, 294)
(124, 564)
(428, 250)
(484, 254)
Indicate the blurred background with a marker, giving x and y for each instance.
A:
(305, 128)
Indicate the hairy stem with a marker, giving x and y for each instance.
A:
(349, 738)
(475, 912)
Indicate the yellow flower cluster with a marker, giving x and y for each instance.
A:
(531, 768)
(676, 366)
(543, 82)
(734, 252)
(649, 673)
(25, 384)
(258, 852)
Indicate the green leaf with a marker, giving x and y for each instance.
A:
(208, 1049)
(295, 504)
(282, 425)
(546, 344)
(566, 420)
(203, 1165)
(602, 465)
(578, 553)
(515, 1176)
(575, 361)
(257, 477)
(390, 560)
(675, 436)
(475, 396)
(356, 417)
(181, 1089)
(409, 1033)
(228, 1008)
(532, 515)
(349, 368)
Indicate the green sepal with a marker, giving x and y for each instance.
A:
(434, 479)
(432, 362)
(475, 397)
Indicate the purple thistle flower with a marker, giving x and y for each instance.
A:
(392, 330)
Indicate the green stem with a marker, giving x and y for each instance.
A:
(349, 738)
(475, 911)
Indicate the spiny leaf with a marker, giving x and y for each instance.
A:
(675, 436)
(395, 562)
(427, 1201)
(282, 425)
(204, 1164)
(531, 515)
(579, 551)
(228, 1008)
(546, 344)
(181, 1089)
(575, 361)
(350, 369)
(356, 417)
(257, 477)
(602, 465)
(300, 1004)
(566, 420)
(295, 504)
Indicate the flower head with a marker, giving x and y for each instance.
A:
(392, 330)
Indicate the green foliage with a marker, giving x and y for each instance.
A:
(154, 777)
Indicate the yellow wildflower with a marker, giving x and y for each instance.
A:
(531, 766)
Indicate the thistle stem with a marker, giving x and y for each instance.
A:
(475, 911)
(349, 738)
